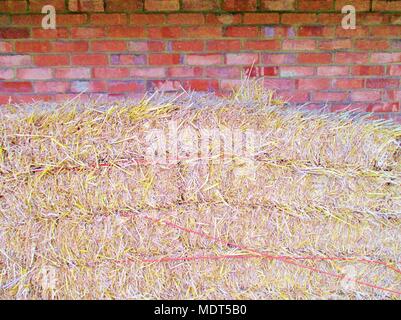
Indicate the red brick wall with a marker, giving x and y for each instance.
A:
(124, 47)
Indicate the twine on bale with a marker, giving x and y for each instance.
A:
(258, 254)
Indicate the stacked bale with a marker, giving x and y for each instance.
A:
(83, 188)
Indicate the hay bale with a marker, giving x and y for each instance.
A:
(198, 197)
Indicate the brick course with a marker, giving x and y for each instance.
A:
(121, 48)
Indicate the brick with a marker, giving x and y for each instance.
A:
(59, 33)
(256, 72)
(51, 60)
(5, 98)
(367, 95)
(5, 20)
(223, 72)
(162, 5)
(5, 47)
(204, 5)
(109, 45)
(315, 31)
(384, 107)
(372, 19)
(32, 46)
(202, 32)
(261, 18)
(262, 45)
(88, 86)
(128, 59)
(279, 58)
(146, 46)
(27, 19)
(203, 59)
(298, 18)
(108, 19)
(15, 87)
(242, 58)
(348, 83)
(332, 71)
(242, 32)
(335, 44)
(268, 71)
(51, 86)
(126, 86)
(34, 74)
(72, 73)
(277, 84)
(352, 57)
(360, 5)
(6, 74)
(184, 72)
(359, 32)
(330, 96)
(185, 19)
(314, 84)
(147, 19)
(30, 20)
(296, 71)
(299, 45)
(315, 58)
(86, 5)
(125, 32)
(110, 73)
(364, 70)
(71, 19)
(14, 6)
(69, 46)
(385, 57)
(223, 19)
(201, 85)
(186, 46)
(239, 5)
(330, 18)
(279, 32)
(392, 31)
(394, 70)
(394, 95)
(278, 5)
(148, 73)
(89, 59)
(372, 44)
(165, 85)
(124, 6)
(14, 33)
(87, 32)
(223, 45)
(386, 5)
(37, 5)
(382, 83)
(316, 5)
(15, 60)
(165, 33)
(164, 59)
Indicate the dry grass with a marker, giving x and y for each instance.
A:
(79, 203)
